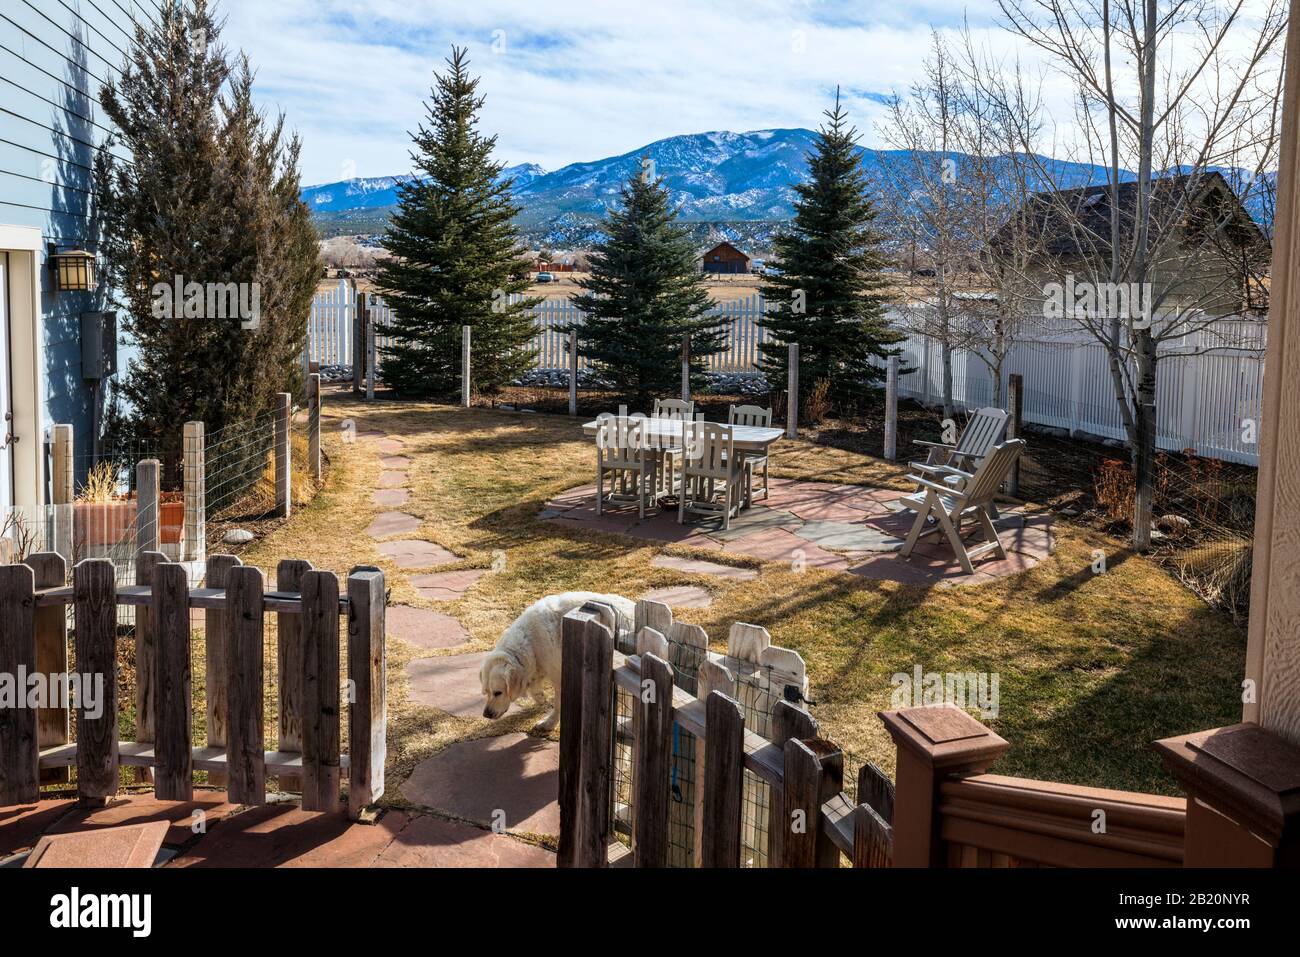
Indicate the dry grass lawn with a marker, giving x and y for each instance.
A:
(1093, 668)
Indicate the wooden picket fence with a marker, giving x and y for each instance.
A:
(805, 773)
(35, 745)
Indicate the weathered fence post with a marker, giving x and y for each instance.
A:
(359, 320)
(318, 663)
(792, 393)
(245, 738)
(724, 780)
(573, 372)
(19, 740)
(173, 769)
(62, 491)
(891, 409)
(368, 704)
(195, 483)
(288, 627)
(94, 586)
(370, 358)
(933, 743)
(586, 703)
(465, 335)
(788, 721)
(814, 773)
(146, 655)
(652, 761)
(313, 426)
(283, 457)
(1016, 406)
(217, 679)
(873, 833)
(52, 723)
(146, 506)
(686, 368)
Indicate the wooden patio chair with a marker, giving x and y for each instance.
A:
(985, 429)
(969, 496)
(624, 454)
(756, 416)
(712, 478)
(682, 410)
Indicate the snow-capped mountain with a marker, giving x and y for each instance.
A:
(724, 184)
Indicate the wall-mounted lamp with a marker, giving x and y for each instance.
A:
(73, 269)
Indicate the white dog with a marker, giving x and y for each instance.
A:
(528, 653)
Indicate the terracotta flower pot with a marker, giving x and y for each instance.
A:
(102, 523)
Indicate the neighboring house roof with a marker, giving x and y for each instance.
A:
(1074, 222)
(725, 250)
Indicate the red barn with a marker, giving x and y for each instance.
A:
(725, 257)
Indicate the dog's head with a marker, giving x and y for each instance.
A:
(503, 681)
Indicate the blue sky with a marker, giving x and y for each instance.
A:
(567, 82)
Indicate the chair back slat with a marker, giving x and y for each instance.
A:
(984, 430)
(992, 472)
(749, 415)
(619, 440)
(710, 449)
(681, 408)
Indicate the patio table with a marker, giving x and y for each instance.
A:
(667, 431)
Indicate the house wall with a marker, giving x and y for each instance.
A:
(54, 56)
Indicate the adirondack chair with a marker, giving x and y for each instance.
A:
(970, 496)
(624, 454)
(752, 415)
(986, 428)
(713, 478)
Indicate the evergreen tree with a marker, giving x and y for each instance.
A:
(456, 258)
(645, 293)
(829, 296)
(210, 195)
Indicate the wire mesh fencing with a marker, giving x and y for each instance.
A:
(237, 459)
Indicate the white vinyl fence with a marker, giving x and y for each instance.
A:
(1209, 391)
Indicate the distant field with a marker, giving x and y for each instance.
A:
(721, 288)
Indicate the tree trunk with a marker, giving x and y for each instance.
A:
(1144, 448)
(948, 410)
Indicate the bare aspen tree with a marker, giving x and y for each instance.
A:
(1167, 96)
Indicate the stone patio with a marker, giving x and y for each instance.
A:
(847, 528)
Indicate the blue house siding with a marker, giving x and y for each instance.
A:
(54, 57)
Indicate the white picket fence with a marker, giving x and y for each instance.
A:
(1209, 401)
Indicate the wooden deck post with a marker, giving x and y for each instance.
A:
(814, 773)
(283, 456)
(53, 724)
(1015, 424)
(933, 743)
(465, 367)
(724, 780)
(245, 735)
(368, 705)
(94, 585)
(586, 702)
(289, 660)
(788, 721)
(173, 770)
(216, 645)
(147, 532)
(318, 664)
(652, 712)
(195, 482)
(792, 393)
(19, 741)
(313, 426)
(891, 409)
